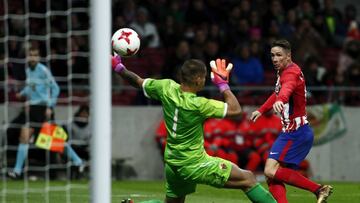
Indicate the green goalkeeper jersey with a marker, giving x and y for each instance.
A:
(184, 115)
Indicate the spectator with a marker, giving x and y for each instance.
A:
(353, 31)
(274, 29)
(313, 71)
(288, 27)
(176, 59)
(257, 50)
(247, 69)
(349, 14)
(170, 32)
(198, 45)
(216, 9)
(147, 30)
(16, 70)
(275, 14)
(211, 51)
(335, 30)
(197, 13)
(128, 10)
(353, 75)
(119, 22)
(239, 34)
(216, 34)
(80, 132)
(255, 19)
(176, 11)
(315, 76)
(233, 18)
(245, 7)
(305, 10)
(348, 55)
(352, 25)
(307, 41)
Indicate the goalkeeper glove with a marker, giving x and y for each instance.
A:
(220, 74)
(116, 64)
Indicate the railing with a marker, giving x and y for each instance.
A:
(247, 95)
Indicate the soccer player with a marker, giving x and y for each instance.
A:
(294, 143)
(186, 162)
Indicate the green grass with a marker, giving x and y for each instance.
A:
(344, 192)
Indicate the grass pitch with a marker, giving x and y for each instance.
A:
(78, 192)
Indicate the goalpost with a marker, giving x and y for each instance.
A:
(101, 103)
(65, 46)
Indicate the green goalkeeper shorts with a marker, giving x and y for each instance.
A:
(182, 180)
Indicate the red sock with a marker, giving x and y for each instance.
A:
(277, 190)
(294, 178)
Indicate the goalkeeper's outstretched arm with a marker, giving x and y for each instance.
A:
(220, 77)
(134, 80)
(234, 108)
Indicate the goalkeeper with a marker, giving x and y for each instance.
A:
(186, 162)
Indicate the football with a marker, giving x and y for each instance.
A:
(125, 42)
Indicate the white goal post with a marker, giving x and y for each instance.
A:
(100, 100)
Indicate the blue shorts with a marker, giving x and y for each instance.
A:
(292, 148)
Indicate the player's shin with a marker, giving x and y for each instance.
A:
(259, 194)
(294, 178)
(20, 157)
(278, 190)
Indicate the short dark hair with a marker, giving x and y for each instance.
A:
(283, 43)
(191, 69)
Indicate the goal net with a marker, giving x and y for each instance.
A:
(60, 30)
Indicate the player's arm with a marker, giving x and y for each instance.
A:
(264, 108)
(134, 80)
(234, 108)
(23, 93)
(220, 77)
(288, 85)
(54, 89)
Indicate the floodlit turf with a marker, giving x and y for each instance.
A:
(141, 190)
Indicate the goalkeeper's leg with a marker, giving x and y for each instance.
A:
(246, 181)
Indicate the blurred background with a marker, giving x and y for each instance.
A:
(325, 38)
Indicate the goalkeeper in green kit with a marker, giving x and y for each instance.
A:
(186, 162)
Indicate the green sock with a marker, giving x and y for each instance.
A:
(258, 194)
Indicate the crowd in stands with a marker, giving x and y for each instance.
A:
(325, 39)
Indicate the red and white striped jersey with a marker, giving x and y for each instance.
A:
(290, 88)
